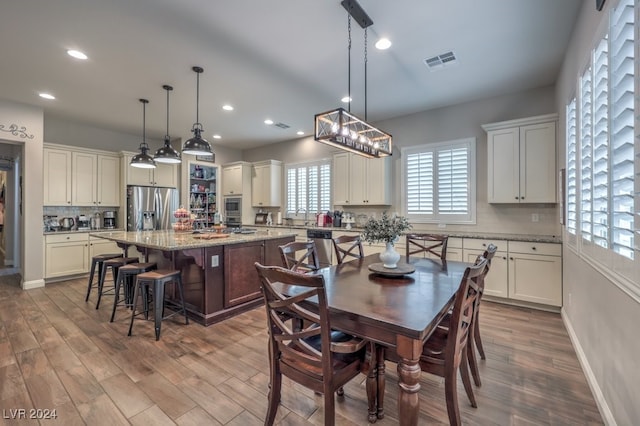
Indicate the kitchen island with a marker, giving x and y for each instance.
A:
(218, 274)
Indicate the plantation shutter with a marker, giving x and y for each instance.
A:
(600, 200)
(572, 184)
(308, 187)
(453, 181)
(419, 179)
(622, 127)
(586, 152)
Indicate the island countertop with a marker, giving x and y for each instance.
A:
(171, 240)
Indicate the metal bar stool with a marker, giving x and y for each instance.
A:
(157, 280)
(125, 275)
(114, 264)
(98, 260)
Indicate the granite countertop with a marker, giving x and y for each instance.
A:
(170, 240)
(459, 234)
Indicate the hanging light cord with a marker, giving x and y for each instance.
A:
(198, 100)
(144, 125)
(365, 74)
(349, 61)
(167, 135)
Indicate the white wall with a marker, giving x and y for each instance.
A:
(31, 119)
(444, 124)
(602, 318)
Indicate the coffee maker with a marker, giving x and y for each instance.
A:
(109, 219)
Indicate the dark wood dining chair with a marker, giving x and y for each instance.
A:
(426, 244)
(300, 256)
(445, 351)
(347, 246)
(315, 356)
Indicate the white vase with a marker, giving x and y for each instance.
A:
(390, 257)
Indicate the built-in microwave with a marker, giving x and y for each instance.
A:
(233, 206)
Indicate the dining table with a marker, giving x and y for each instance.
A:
(398, 310)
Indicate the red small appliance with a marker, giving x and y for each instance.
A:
(324, 220)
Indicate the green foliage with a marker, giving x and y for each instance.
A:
(386, 229)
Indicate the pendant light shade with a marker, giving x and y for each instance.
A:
(143, 160)
(166, 153)
(196, 145)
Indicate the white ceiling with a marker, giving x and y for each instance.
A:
(279, 59)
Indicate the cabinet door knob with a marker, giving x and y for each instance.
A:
(484, 244)
(517, 198)
(511, 258)
(533, 248)
(504, 257)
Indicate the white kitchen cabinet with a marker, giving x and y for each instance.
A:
(361, 181)
(66, 254)
(236, 178)
(57, 177)
(101, 246)
(165, 175)
(521, 160)
(266, 184)
(535, 272)
(95, 180)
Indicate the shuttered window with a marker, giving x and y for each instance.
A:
(586, 151)
(308, 188)
(600, 156)
(439, 182)
(572, 159)
(622, 127)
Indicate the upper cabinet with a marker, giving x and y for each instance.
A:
(358, 180)
(163, 175)
(236, 178)
(57, 177)
(80, 178)
(266, 184)
(521, 160)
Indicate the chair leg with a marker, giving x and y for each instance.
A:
(184, 309)
(93, 271)
(381, 379)
(116, 299)
(476, 336)
(466, 380)
(103, 275)
(471, 355)
(275, 387)
(136, 293)
(158, 305)
(451, 395)
(329, 409)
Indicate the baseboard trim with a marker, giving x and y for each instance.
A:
(28, 285)
(603, 407)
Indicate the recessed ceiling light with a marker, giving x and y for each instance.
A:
(383, 44)
(346, 99)
(227, 107)
(268, 122)
(76, 54)
(46, 95)
(217, 137)
(300, 133)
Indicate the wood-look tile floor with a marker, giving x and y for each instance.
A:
(59, 353)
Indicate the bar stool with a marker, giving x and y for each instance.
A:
(114, 264)
(98, 260)
(157, 280)
(125, 274)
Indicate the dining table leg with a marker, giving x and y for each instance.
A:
(409, 351)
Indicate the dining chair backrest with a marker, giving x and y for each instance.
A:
(348, 246)
(434, 244)
(488, 254)
(300, 256)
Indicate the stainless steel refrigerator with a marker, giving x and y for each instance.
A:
(151, 207)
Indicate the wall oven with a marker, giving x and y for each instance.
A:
(233, 211)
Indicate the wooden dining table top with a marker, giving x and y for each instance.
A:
(378, 307)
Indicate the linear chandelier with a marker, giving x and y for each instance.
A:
(339, 127)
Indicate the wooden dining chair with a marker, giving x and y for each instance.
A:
(348, 246)
(300, 256)
(445, 351)
(315, 357)
(426, 244)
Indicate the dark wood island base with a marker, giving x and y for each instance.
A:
(219, 277)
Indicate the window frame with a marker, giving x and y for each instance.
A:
(435, 147)
(304, 213)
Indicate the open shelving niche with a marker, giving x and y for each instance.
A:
(203, 192)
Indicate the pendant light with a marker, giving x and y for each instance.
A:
(196, 145)
(143, 160)
(167, 154)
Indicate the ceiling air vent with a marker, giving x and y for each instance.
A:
(440, 61)
(282, 125)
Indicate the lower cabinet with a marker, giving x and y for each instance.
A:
(521, 271)
(66, 254)
(101, 246)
